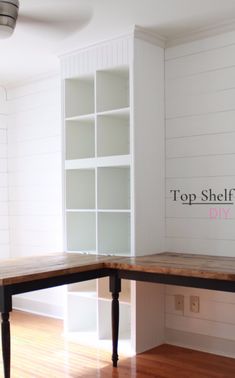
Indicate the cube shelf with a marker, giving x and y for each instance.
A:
(80, 189)
(80, 139)
(79, 96)
(114, 188)
(113, 134)
(81, 231)
(112, 89)
(114, 233)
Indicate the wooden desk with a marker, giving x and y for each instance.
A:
(41, 272)
(27, 274)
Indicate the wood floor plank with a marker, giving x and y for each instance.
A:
(39, 350)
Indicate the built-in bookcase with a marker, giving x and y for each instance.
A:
(113, 180)
(97, 187)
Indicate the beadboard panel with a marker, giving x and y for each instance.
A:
(200, 154)
(106, 54)
(34, 173)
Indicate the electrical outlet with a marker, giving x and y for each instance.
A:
(194, 304)
(179, 302)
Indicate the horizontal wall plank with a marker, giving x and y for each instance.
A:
(34, 208)
(36, 222)
(201, 228)
(182, 106)
(4, 222)
(3, 179)
(200, 45)
(205, 295)
(175, 209)
(204, 61)
(3, 194)
(35, 193)
(202, 166)
(196, 185)
(50, 115)
(25, 248)
(223, 122)
(44, 84)
(34, 101)
(201, 246)
(35, 147)
(209, 310)
(205, 82)
(201, 145)
(3, 135)
(4, 237)
(204, 327)
(32, 178)
(3, 151)
(211, 344)
(41, 162)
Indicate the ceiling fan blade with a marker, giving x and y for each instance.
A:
(62, 26)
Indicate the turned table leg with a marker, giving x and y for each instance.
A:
(6, 344)
(115, 288)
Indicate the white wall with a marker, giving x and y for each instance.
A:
(200, 153)
(4, 226)
(35, 185)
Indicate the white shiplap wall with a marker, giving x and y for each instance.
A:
(35, 185)
(200, 154)
(4, 225)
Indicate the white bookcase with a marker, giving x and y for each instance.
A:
(114, 187)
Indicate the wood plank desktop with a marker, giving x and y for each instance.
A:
(34, 273)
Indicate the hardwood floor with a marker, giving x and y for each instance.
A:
(40, 351)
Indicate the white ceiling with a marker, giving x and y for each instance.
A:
(70, 24)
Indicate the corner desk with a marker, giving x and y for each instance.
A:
(41, 272)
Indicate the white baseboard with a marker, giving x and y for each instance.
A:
(203, 343)
(39, 308)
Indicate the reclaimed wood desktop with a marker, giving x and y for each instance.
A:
(35, 273)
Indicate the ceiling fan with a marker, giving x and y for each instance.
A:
(9, 11)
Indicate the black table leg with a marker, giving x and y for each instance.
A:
(6, 344)
(115, 288)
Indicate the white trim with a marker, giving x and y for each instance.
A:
(38, 308)
(149, 36)
(200, 33)
(204, 343)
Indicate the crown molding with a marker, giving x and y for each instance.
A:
(149, 36)
(201, 33)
